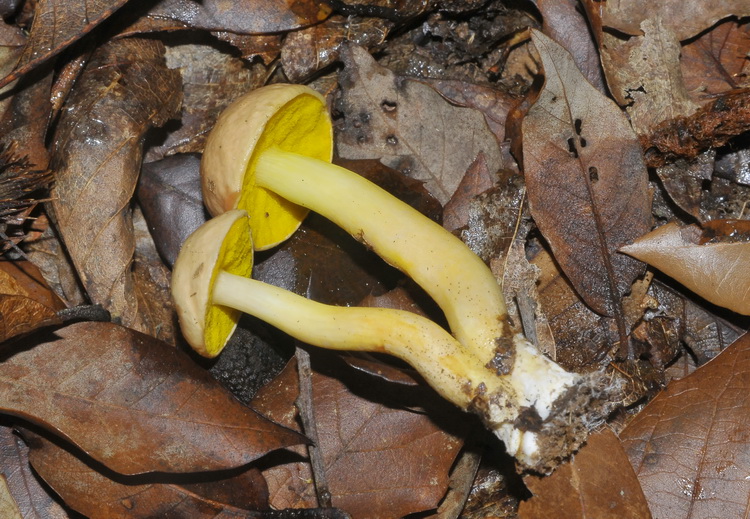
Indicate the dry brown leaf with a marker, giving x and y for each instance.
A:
(409, 126)
(586, 181)
(718, 272)
(477, 180)
(58, 24)
(32, 498)
(25, 301)
(689, 446)
(373, 448)
(131, 402)
(598, 483)
(96, 494)
(125, 90)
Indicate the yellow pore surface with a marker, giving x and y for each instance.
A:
(235, 257)
(300, 126)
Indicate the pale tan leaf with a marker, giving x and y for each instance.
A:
(718, 272)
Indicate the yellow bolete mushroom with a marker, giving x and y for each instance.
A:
(275, 144)
(531, 409)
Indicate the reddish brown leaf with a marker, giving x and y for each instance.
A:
(586, 180)
(690, 445)
(598, 483)
(25, 301)
(96, 494)
(125, 90)
(57, 25)
(27, 491)
(132, 402)
(717, 61)
(717, 271)
(373, 449)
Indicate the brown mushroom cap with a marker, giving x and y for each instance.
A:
(292, 118)
(222, 243)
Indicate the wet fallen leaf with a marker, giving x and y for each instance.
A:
(408, 126)
(683, 181)
(99, 493)
(598, 483)
(28, 492)
(57, 25)
(718, 272)
(588, 195)
(125, 90)
(689, 446)
(372, 446)
(131, 402)
(25, 302)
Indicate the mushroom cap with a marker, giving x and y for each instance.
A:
(222, 243)
(292, 118)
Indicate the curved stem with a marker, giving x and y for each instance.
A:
(457, 279)
(437, 356)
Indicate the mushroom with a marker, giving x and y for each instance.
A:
(274, 144)
(526, 409)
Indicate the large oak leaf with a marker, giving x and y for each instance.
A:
(586, 180)
(132, 402)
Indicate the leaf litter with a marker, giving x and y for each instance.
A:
(440, 93)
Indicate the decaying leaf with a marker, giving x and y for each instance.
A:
(211, 80)
(97, 494)
(711, 126)
(363, 431)
(717, 271)
(409, 126)
(598, 483)
(586, 181)
(131, 402)
(28, 492)
(643, 74)
(689, 446)
(125, 90)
